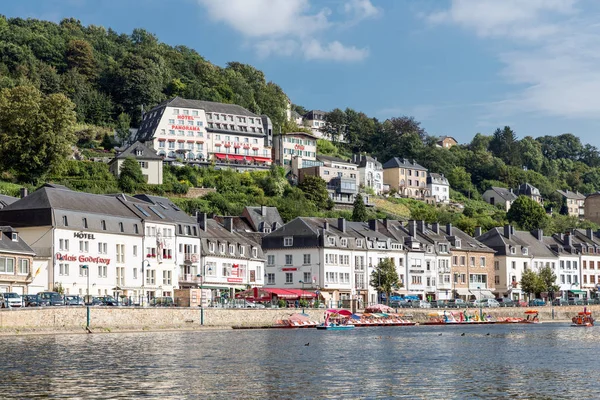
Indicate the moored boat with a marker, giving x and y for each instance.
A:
(583, 319)
(336, 320)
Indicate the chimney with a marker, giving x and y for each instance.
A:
(421, 225)
(23, 192)
(325, 226)
(385, 223)
(412, 228)
(342, 224)
(589, 232)
(201, 218)
(373, 224)
(507, 231)
(538, 234)
(568, 240)
(477, 232)
(228, 222)
(435, 227)
(263, 211)
(449, 229)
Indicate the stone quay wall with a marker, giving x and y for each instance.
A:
(154, 318)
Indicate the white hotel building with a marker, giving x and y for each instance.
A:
(203, 131)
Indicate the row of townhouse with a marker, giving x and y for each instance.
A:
(574, 257)
(140, 247)
(337, 258)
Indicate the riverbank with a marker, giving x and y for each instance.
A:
(73, 320)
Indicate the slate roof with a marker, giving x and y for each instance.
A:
(362, 159)
(323, 158)
(572, 195)
(397, 162)
(505, 194)
(528, 190)
(7, 245)
(217, 234)
(468, 242)
(535, 247)
(311, 115)
(131, 151)
(7, 200)
(446, 137)
(437, 179)
(495, 239)
(257, 219)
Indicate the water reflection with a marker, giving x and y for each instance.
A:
(543, 361)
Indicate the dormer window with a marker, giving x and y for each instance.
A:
(231, 249)
(211, 247)
(359, 243)
(457, 243)
(525, 251)
(266, 230)
(222, 248)
(65, 220)
(254, 252)
(85, 224)
(121, 228)
(344, 242)
(139, 152)
(288, 241)
(103, 223)
(331, 241)
(241, 250)
(513, 250)
(15, 237)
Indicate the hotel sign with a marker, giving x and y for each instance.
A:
(83, 235)
(83, 259)
(237, 280)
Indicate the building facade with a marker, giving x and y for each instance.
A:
(150, 162)
(16, 262)
(208, 132)
(592, 208)
(341, 177)
(407, 177)
(315, 121)
(574, 203)
(370, 172)
(439, 187)
(500, 197)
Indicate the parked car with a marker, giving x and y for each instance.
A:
(537, 303)
(506, 302)
(11, 300)
(250, 304)
(456, 303)
(576, 301)
(73, 300)
(400, 303)
(50, 299)
(489, 303)
(30, 300)
(109, 301)
(420, 304)
(161, 302)
(438, 303)
(560, 302)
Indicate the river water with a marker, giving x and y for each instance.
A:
(546, 361)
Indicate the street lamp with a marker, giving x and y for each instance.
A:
(87, 273)
(302, 282)
(144, 263)
(201, 298)
(480, 305)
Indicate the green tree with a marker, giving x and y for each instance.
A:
(527, 214)
(548, 278)
(79, 55)
(36, 131)
(385, 278)
(122, 128)
(315, 190)
(359, 212)
(130, 175)
(531, 283)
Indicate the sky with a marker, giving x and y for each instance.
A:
(460, 67)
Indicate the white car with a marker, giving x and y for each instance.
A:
(12, 300)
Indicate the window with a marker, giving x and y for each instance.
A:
(288, 241)
(463, 260)
(271, 259)
(254, 252)
(289, 278)
(289, 259)
(455, 260)
(83, 271)
(23, 266)
(472, 261)
(150, 277)
(211, 247)
(121, 229)
(65, 220)
(120, 253)
(63, 244)
(513, 250)
(135, 275)
(270, 279)
(358, 242)
(497, 265)
(102, 248)
(63, 269)
(331, 241)
(514, 265)
(84, 246)
(84, 222)
(102, 271)
(344, 242)
(525, 251)
(231, 249)
(306, 277)
(222, 248)
(167, 275)
(306, 260)
(103, 224)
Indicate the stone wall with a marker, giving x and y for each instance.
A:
(194, 193)
(73, 318)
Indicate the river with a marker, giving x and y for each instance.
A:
(546, 361)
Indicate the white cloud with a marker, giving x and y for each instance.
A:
(288, 27)
(549, 48)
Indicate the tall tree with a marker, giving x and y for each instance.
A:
(531, 283)
(315, 190)
(36, 131)
(79, 55)
(504, 145)
(130, 175)
(359, 211)
(384, 278)
(335, 125)
(122, 128)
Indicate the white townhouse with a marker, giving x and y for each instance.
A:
(79, 238)
(568, 271)
(333, 257)
(588, 245)
(228, 259)
(510, 260)
(180, 244)
(202, 132)
(439, 187)
(370, 172)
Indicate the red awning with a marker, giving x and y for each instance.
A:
(220, 156)
(200, 141)
(265, 294)
(171, 140)
(236, 157)
(162, 140)
(248, 158)
(181, 141)
(304, 294)
(262, 159)
(190, 141)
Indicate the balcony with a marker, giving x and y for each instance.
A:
(343, 185)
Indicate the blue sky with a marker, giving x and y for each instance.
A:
(458, 66)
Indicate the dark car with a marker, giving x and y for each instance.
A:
(30, 300)
(107, 301)
(560, 302)
(50, 299)
(163, 302)
(506, 302)
(576, 301)
(456, 303)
